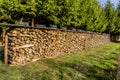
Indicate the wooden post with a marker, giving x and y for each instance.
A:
(32, 23)
(6, 50)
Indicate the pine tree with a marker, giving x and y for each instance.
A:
(95, 17)
(83, 14)
(117, 29)
(48, 11)
(30, 10)
(111, 16)
(5, 7)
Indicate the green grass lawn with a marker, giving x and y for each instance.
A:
(92, 64)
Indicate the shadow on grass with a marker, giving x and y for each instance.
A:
(90, 72)
(2, 53)
(115, 41)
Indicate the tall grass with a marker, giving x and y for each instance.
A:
(92, 64)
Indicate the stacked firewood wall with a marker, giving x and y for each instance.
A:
(28, 44)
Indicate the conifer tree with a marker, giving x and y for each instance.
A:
(111, 16)
(117, 29)
(48, 11)
(95, 17)
(24, 10)
(30, 10)
(69, 15)
(5, 7)
(83, 14)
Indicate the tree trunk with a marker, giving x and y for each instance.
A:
(32, 23)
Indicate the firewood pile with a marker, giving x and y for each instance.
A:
(29, 44)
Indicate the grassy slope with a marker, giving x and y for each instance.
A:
(94, 64)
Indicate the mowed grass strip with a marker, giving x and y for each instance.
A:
(93, 64)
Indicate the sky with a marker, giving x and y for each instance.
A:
(115, 2)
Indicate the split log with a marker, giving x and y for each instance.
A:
(25, 46)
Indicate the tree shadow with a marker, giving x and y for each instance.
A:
(2, 53)
(92, 72)
(116, 41)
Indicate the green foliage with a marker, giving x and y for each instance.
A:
(69, 14)
(5, 7)
(111, 16)
(96, 17)
(48, 11)
(83, 14)
(117, 28)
